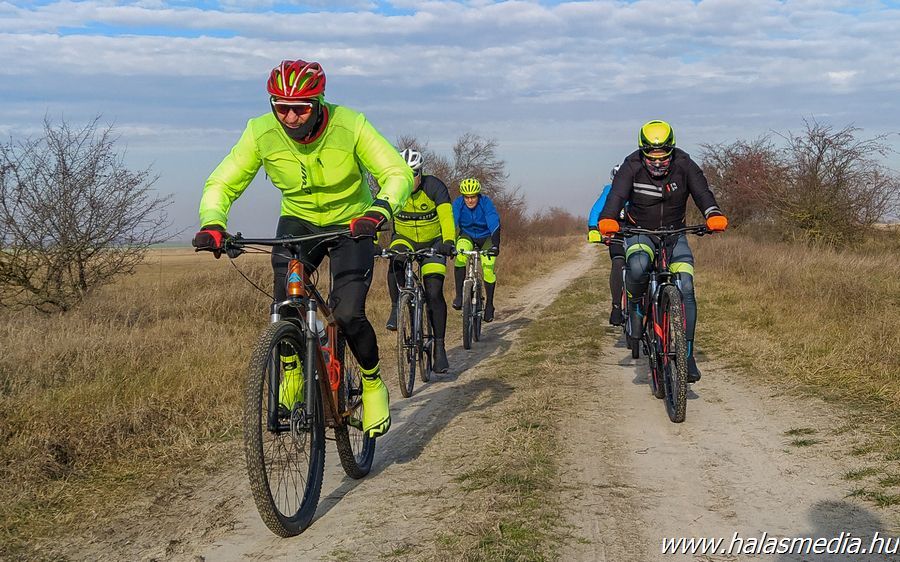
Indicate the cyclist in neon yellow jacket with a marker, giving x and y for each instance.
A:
(317, 153)
(426, 221)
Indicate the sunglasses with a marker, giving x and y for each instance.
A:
(658, 159)
(298, 107)
(417, 173)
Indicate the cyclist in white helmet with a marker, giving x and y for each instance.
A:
(426, 220)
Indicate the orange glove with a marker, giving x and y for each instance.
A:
(608, 226)
(717, 223)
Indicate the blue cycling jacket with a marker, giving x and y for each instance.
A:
(594, 217)
(480, 222)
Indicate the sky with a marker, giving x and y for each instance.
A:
(563, 87)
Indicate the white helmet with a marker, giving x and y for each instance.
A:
(413, 158)
(612, 173)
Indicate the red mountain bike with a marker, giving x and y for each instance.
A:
(662, 334)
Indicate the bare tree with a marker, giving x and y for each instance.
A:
(475, 157)
(72, 216)
(836, 185)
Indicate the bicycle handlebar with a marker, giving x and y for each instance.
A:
(423, 253)
(238, 241)
(698, 229)
(488, 252)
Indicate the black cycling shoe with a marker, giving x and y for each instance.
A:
(616, 318)
(440, 365)
(392, 320)
(457, 303)
(488, 313)
(693, 374)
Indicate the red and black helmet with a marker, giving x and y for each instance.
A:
(296, 79)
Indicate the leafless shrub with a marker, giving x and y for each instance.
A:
(823, 186)
(72, 216)
(836, 185)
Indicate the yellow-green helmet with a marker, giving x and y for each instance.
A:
(470, 186)
(656, 135)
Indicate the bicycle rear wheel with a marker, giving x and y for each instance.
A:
(407, 359)
(468, 314)
(355, 448)
(284, 448)
(651, 350)
(674, 356)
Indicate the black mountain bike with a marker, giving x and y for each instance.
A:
(284, 439)
(473, 296)
(663, 323)
(415, 339)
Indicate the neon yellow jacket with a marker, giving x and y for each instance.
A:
(322, 182)
(427, 214)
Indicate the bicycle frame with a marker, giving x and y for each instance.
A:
(474, 272)
(413, 285)
(306, 299)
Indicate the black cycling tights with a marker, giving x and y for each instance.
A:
(638, 276)
(434, 294)
(615, 280)
(351, 263)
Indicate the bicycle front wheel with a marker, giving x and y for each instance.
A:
(284, 435)
(426, 351)
(468, 313)
(406, 344)
(674, 356)
(355, 448)
(479, 312)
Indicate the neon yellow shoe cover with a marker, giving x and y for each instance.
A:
(290, 390)
(376, 404)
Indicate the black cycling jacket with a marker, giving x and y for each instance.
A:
(659, 203)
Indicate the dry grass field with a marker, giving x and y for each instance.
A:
(142, 381)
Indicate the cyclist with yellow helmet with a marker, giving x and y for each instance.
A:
(655, 181)
(479, 226)
(425, 221)
(317, 153)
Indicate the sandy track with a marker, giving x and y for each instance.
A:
(729, 468)
(629, 476)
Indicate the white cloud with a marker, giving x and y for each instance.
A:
(569, 74)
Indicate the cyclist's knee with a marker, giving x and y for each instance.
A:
(434, 289)
(350, 318)
(487, 268)
(638, 267)
(462, 245)
(685, 282)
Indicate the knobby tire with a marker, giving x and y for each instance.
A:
(285, 497)
(468, 310)
(355, 448)
(407, 359)
(675, 362)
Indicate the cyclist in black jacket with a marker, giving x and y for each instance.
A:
(655, 181)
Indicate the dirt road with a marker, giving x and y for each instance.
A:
(628, 478)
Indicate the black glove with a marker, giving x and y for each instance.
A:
(493, 251)
(211, 238)
(446, 248)
(371, 222)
